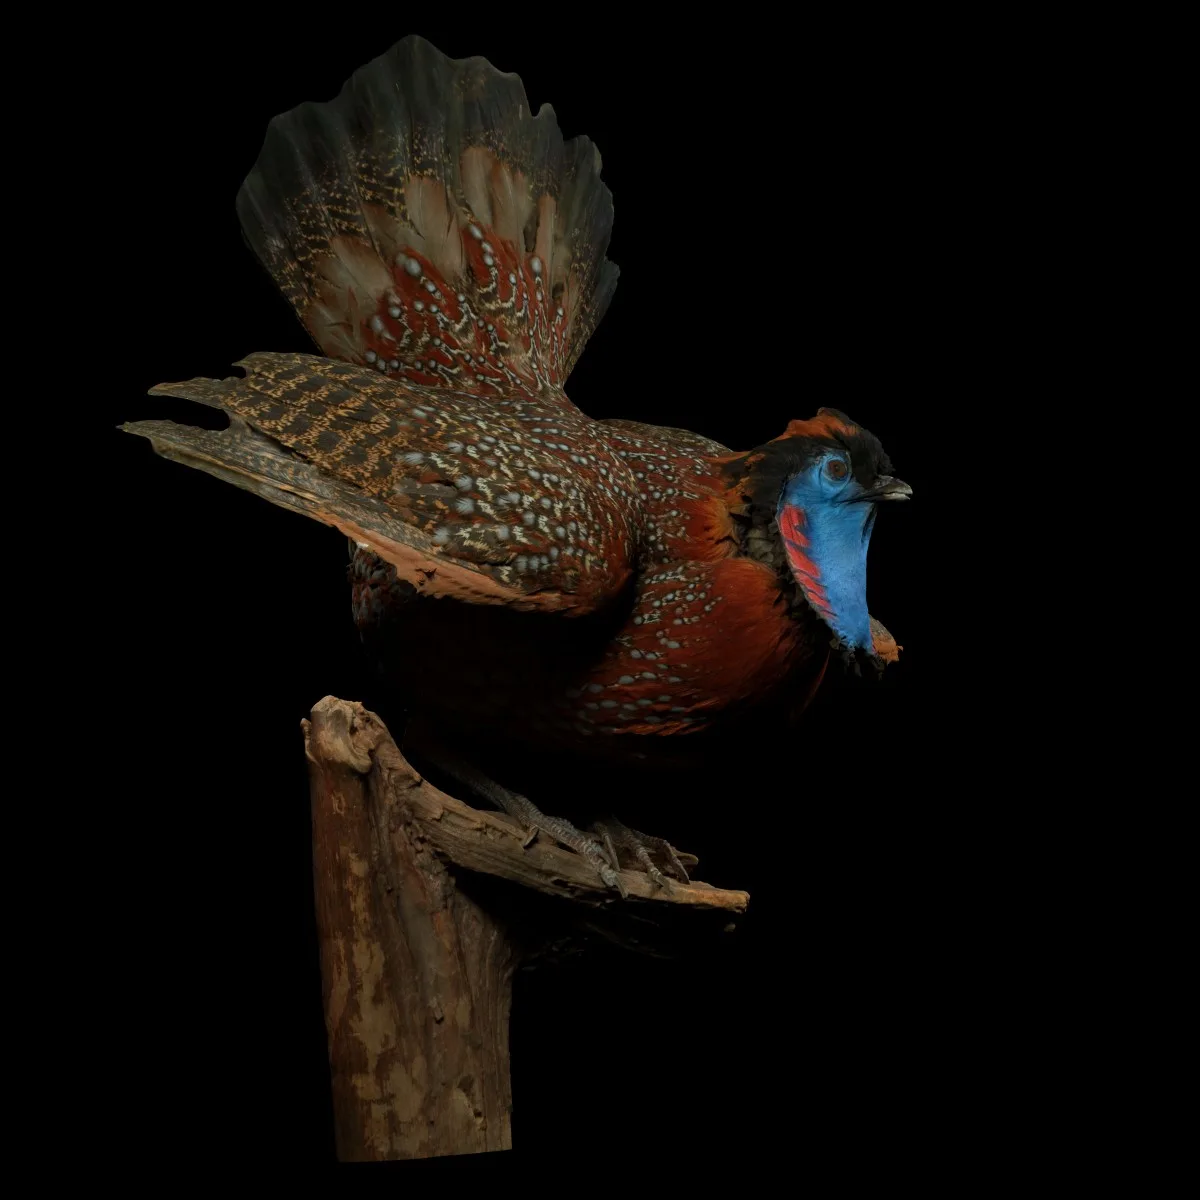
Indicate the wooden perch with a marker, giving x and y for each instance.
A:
(425, 906)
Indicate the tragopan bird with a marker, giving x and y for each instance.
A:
(522, 571)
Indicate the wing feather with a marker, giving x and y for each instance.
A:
(488, 501)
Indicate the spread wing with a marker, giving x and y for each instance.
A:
(488, 501)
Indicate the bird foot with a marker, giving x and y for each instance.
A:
(654, 855)
(609, 847)
(562, 831)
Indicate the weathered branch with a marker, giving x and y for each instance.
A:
(419, 941)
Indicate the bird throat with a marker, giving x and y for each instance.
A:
(826, 548)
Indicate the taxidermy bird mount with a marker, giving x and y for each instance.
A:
(527, 577)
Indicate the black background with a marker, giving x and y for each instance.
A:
(854, 187)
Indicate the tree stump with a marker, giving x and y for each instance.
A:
(425, 906)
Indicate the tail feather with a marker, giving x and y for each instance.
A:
(427, 223)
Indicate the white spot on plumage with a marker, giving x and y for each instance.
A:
(371, 356)
(413, 457)
(528, 518)
(464, 483)
(476, 232)
(412, 267)
(419, 305)
(394, 311)
(377, 323)
(442, 536)
(535, 265)
(465, 505)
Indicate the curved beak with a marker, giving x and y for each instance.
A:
(886, 488)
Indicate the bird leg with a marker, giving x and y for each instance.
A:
(601, 856)
(644, 849)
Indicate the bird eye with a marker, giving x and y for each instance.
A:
(836, 469)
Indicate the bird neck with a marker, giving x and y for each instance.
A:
(826, 548)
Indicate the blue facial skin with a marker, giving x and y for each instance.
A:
(838, 526)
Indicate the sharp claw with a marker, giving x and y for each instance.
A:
(673, 857)
(643, 857)
(610, 851)
(530, 837)
(613, 880)
(676, 865)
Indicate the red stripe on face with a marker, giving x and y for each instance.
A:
(795, 541)
(791, 522)
(802, 564)
(816, 593)
(808, 575)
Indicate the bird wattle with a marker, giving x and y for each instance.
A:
(826, 548)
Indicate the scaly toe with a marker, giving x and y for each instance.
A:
(668, 852)
(643, 849)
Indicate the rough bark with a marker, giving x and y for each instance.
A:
(424, 908)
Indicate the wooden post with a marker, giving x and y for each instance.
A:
(416, 973)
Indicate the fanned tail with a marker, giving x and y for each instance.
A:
(426, 223)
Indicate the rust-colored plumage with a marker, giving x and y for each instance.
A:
(585, 585)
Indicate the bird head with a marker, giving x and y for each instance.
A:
(816, 490)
